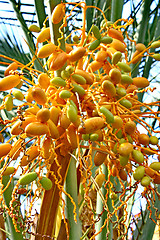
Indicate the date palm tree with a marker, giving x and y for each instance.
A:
(53, 221)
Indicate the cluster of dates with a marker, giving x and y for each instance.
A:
(92, 99)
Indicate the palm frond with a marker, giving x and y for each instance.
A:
(12, 46)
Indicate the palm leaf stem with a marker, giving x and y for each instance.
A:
(22, 23)
(40, 10)
(142, 29)
(116, 13)
(89, 14)
(24, 27)
(8, 197)
(71, 189)
(51, 198)
(99, 209)
(54, 30)
(116, 9)
(149, 61)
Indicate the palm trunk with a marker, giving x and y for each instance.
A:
(47, 218)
